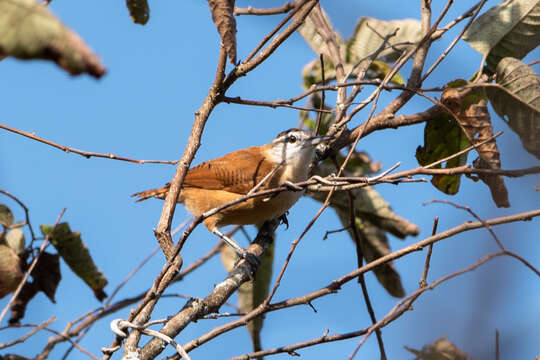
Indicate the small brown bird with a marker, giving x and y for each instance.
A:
(219, 181)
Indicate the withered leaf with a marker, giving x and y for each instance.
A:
(75, 253)
(28, 291)
(10, 270)
(223, 16)
(510, 28)
(516, 99)
(139, 11)
(28, 30)
(369, 34)
(47, 275)
(438, 350)
(6, 216)
(473, 118)
(15, 240)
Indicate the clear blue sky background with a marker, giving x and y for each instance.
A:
(143, 108)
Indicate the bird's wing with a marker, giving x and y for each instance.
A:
(236, 172)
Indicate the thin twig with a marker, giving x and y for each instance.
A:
(469, 210)
(26, 212)
(497, 349)
(288, 6)
(361, 279)
(23, 339)
(423, 282)
(86, 154)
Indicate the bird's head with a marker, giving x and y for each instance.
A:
(294, 146)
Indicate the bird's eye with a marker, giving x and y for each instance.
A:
(292, 139)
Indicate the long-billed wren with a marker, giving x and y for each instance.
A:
(216, 182)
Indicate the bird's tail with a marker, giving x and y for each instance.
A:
(159, 193)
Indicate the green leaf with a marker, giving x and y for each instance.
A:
(28, 30)
(443, 137)
(369, 34)
(511, 28)
(139, 11)
(76, 255)
(15, 240)
(516, 99)
(6, 216)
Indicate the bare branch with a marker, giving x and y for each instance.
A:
(423, 282)
(26, 212)
(23, 339)
(86, 154)
(288, 6)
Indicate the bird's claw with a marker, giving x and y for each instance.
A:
(284, 220)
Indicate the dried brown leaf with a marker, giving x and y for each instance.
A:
(6, 216)
(441, 349)
(28, 30)
(10, 270)
(473, 118)
(516, 99)
(47, 275)
(28, 291)
(223, 16)
(139, 11)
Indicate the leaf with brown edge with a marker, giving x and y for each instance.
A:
(516, 99)
(223, 16)
(75, 253)
(28, 30)
(251, 294)
(470, 106)
(47, 275)
(138, 11)
(10, 270)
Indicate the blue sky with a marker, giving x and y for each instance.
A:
(158, 75)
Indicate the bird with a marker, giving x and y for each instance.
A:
(213, 183)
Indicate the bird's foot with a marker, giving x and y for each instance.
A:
(283, 218)
(252, 260)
